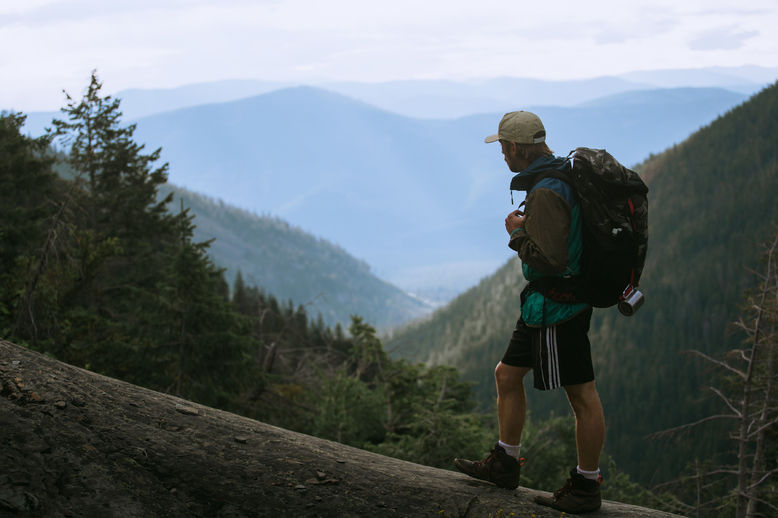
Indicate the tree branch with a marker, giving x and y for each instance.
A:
(764, 477)
(718, 362)
(726, 400)
(671, 431)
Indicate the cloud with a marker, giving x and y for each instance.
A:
(165, 43)
(639, 28)
(722, 38)
(740, 12)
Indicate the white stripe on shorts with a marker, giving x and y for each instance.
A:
(552, 353)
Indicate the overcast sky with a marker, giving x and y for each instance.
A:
(51, 45)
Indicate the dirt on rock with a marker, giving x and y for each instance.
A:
(77, 444)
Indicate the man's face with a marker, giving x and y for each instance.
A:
(515, 161)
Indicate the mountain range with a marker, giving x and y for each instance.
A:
(712, 201)
(448, 99)
(419, 200)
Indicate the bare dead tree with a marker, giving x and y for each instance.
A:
(751, 407)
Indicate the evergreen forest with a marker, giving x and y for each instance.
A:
(100, 269)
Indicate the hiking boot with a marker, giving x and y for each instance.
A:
(499, 468)
(578, 495)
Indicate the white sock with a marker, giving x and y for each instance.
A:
(591, 475)
(510, 449)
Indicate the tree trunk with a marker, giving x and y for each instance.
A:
(768, 335)
(743, 467)
(75, 443)
(758, 468)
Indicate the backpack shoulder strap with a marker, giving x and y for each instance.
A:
(567, 191)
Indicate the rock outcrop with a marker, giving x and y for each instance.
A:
(75, 443)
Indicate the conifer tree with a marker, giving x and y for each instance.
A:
(202, 350)
(121, 230)
(147, 304)
(120, 180)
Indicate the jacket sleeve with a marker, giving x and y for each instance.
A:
(542, 242)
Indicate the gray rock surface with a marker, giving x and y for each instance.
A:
(75, 443)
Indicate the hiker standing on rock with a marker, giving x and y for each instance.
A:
(550, 337)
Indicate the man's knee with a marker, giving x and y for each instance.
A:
(509, 377)
(584, 398)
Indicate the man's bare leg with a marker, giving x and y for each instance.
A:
(511, 401)
(589, 423)
(501, 466)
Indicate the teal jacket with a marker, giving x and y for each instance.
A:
(551, 241)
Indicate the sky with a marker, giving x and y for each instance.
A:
(52, 45)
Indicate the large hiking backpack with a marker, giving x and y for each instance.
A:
(614, 208)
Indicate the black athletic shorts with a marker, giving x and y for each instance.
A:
(558, 354)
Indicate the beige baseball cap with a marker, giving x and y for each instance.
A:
(520, 127)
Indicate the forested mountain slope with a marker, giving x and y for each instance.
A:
(463, 332)
(712, 201)
(292, 264)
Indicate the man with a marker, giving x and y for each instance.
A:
(550, 337)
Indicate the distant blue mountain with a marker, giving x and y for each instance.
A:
(378, 184)
(741, 79)
(421, 201)
(632, 125)
(443, 99)
(137, 103)
(449, 99)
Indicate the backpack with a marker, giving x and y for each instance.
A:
(614, 207)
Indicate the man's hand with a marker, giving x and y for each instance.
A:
(514, 220)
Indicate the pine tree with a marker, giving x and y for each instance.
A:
(201, 344)
(123, 235)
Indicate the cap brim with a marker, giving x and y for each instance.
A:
(492, 138)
